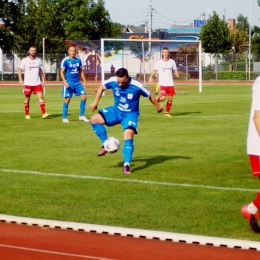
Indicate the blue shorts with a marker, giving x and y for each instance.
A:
(113, 117)
(74, 88)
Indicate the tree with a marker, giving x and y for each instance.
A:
(239, 39)
(10, 13)
(242, 23)
(215, 37)
(61, 20)
(256, 42)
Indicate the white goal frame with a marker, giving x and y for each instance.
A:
(149, 41)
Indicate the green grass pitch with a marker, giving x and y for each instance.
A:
(190, 173)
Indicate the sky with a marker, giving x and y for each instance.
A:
(182, 12)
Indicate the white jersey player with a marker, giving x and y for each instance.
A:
(251, 211)
(33, 73)
(165, 68)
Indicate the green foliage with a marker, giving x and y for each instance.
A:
(256, 43)
(191, 179)
(60, 20)
(10, 13)
(208, 75)
(242, 23)
(235, 75)
(215, 36)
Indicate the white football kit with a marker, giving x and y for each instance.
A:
(253, 139)
(165, 70)
(31, 68)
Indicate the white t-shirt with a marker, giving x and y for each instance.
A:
(165, 69)
(31, 68)
(253, 139)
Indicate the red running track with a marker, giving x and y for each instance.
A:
(23, 242)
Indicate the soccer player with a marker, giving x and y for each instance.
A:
(71, 72)
(164, 68)
(251, 211)
(33, 74)
(125, 111)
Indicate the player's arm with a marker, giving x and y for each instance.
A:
(62, 75)
(151, 78)
(82, 75)
(99, 93)
(42, 76)
(20, 76)
(176, 74)
(155, 103)
(256, 119)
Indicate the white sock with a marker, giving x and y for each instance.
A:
(251, 208)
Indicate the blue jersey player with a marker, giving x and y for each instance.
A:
(125, 111)
(71, 72)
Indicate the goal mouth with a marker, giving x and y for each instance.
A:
(139, 56)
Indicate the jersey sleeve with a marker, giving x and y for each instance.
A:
(109, 82)
(63, 64)
(22, 64)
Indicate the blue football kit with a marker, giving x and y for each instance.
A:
(126, 103)
(125, 111)
(72, 68)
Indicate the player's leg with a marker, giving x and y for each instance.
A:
(80, 91)
(251, 211)
(27, 106)
(130, 125)
(162, 95)
(97, 121)
(38, 91)
(67, 95)
(156, 89)
(170, 92)
(168, 106)
(27, 91)
(82, 107)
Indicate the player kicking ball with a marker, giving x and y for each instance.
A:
(125, 111)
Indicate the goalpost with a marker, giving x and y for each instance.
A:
(139, 56)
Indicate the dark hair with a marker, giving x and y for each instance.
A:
(165, 48)
(122, 72)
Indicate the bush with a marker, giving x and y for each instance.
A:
(208, 75)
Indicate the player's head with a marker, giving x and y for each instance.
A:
(165, 53)
(72, 51)
(32, 51)
(122, 77)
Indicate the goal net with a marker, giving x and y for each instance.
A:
(139, 56)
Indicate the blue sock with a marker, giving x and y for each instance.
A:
(82, 106)
(65, 110)
(100, 131)
(128, 150)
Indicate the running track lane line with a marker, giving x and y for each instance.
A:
(55, 253)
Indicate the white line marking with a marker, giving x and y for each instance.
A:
(54, 252)
(127, 180)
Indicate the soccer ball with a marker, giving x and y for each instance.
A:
(111, 145)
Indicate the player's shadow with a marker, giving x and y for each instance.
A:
(55, 115)
(149, 161)
(185, 113)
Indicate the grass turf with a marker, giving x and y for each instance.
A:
(190, 173)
